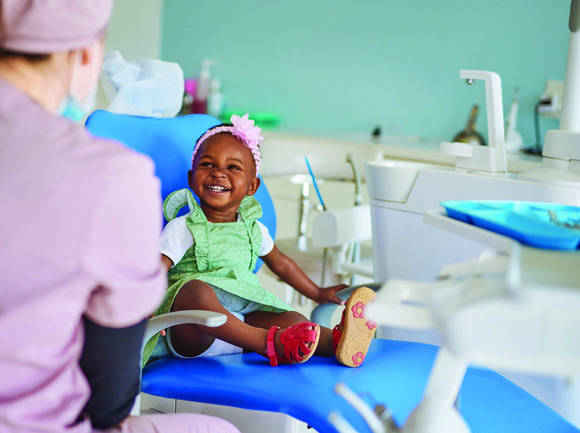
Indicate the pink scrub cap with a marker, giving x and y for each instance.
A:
(48, 26)
(243, 128)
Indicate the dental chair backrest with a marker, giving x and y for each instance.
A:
(169, 143)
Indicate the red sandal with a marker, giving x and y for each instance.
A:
(352, 343)
(294, 339)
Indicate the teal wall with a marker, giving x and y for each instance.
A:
(343, 66)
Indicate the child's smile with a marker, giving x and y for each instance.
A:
(216, 188)
(222, 175)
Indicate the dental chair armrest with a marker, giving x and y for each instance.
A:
(200, 317)
(322, 314)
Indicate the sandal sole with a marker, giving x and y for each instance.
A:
(358, 330)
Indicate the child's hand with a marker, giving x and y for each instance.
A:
(162, 332)
(328, 294)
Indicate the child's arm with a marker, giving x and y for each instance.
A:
(285, 268)
(167, 262)
(176, 239)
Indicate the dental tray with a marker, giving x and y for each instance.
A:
(542, 225)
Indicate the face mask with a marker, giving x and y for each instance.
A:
(76, 111)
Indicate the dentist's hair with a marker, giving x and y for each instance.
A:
(32, 58)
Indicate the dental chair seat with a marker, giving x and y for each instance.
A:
(394, 374)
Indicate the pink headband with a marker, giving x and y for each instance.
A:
(49, 26)
(242, 128)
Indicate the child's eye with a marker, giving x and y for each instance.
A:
(234, 167)
(205, 164)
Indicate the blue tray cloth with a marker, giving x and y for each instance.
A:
(394, 373)
(527, 222)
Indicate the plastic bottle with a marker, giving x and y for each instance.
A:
(215, 101)
(188, 96)
(203, 84)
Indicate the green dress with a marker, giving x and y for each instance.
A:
(223, 255)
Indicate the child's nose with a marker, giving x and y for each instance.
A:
(217, 172)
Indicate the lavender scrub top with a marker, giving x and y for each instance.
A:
(80, 220)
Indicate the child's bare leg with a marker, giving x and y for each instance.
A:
(193, 340)
(265, 320)
(325, 343)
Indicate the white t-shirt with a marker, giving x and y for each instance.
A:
(176, 239)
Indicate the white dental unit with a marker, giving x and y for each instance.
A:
(515, 307)
(401, 192)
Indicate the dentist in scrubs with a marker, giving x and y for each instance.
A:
(79, 229)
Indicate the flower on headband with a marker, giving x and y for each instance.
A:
(245, 130)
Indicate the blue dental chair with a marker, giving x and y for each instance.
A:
(394, 373)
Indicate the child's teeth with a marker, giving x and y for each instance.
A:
(217, 188)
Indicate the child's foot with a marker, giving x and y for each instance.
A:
(297, 343)
(353, 336)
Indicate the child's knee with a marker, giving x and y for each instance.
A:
(194, 294)
(290, 318)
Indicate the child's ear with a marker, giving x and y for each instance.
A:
(190, 178)
(254, 185)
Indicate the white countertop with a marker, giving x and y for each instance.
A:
(283, 154)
